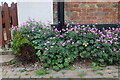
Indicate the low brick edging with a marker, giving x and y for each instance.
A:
(90, 12)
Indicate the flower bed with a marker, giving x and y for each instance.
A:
(59, 50)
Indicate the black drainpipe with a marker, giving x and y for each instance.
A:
(61, 14)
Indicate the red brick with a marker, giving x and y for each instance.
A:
(83, 10)
(69, 9)
(91, 10)
(85, 22)
(116, 9)
(75, 14)
(74, 18)
(100, 9)
(55, 9)
(82, 18)
(77, 10)
(76, 5)
(91, 17)
(118, 17)
(83, 14)
(106, 17)
(69, 5)
(91, 14)
(114, 13)
(107, 10)
(115, 17)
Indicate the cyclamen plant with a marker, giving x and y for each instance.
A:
(58, 50)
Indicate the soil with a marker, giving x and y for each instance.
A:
(28, 54)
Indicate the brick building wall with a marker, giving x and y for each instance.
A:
(90, 12)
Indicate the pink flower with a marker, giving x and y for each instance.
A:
(68, 40)
(72, 42)
(64, 44)
(114, 49)
(84, 29)
(115, 38)
(98, 47)
(105, 40)
(76, 31)
(69, 30)
(44, 27)
(56, 35)
(65, 34)
(53, 43)
(51, 38)
(56, 29)
(39, 30)
(116, 42)
(53, 26)
(61, 42)
(61, 35)
(48, 42)
(63, 29)
(45, 43)
(51, 46)
(46, 49)
(78, 42)
(33, 28)
(67, 25)
(97, 40)
(66, 28)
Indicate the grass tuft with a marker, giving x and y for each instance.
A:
(42, 72)
(82, 74)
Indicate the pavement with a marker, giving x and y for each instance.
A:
(9, 71)
(108, 72)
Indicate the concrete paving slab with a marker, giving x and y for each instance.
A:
(6, 58)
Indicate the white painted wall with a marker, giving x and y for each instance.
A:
(40, 11)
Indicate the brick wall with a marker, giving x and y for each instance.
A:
(90, 12)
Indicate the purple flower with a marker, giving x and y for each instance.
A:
(78, 42)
